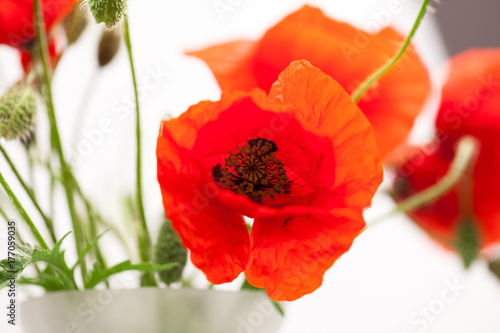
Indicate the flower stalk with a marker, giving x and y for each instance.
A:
(31, 194)
(65, 169)
(464, 157)
(359, 91)
(22, 211)
(145, 244)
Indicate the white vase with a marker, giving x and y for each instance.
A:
(151, 310)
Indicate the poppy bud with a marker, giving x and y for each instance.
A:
(17, 112)
(169, 249)
(74, 24)
(109, 46)
(109, 12)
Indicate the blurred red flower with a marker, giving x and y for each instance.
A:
(17, 27)
(301, 161)
(470, 106)
(27, 62)
(345, 53)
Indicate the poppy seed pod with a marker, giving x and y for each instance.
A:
(17, 112)
(109, 12)
(169, 249)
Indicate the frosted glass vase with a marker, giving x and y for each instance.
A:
(151, 310)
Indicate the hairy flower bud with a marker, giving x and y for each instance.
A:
(109, 12)
(74, 24)
(17, 112)
(169, 249)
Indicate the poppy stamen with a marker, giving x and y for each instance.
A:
(254, 171)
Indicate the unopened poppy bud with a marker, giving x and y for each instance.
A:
(109, 46)
(169, 249)
(109, 12)
(17, 112)
(74, 24)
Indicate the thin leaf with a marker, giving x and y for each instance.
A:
(49, 282)
(468, 242)
(97, 275)
(87, 248)
(277, 305)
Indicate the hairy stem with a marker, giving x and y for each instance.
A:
(145, 244)
(465, 155)
(358, 92)
(31, 194)
(22, 211)
(65, 169)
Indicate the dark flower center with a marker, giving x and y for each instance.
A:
(253, 171)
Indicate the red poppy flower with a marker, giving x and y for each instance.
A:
(27, 62)
(345, 53)
(16, 19)
(470, 101)
(301, 161)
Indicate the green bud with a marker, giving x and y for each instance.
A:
(109, 46)
(74, 24)
(17, 112)
(169, 249)
(468, 241)
(109, 12)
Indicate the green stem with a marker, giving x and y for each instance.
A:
(22, 211)
(6, 218)
(98, 219)
(465, 155)
(31, 195)
(31, 166)
(4, 215)
(92, 225)
(358, 92)
(144, 237)
(65, 169)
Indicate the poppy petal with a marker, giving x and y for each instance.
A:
(349, 56)
(323, 107)
(16, 19)
(469, 106)
(216, 235)
(232, 63)
(290, 255)
(343, 52)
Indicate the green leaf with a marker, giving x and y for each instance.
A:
(56, 266)
(247, 286)
(87, 248)
(28, 255)
(46, 280)
(55, 257)
(278, 308)
(10, 269)
(468, 242)
(98, 275)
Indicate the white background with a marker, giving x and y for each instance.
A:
(392, 271)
